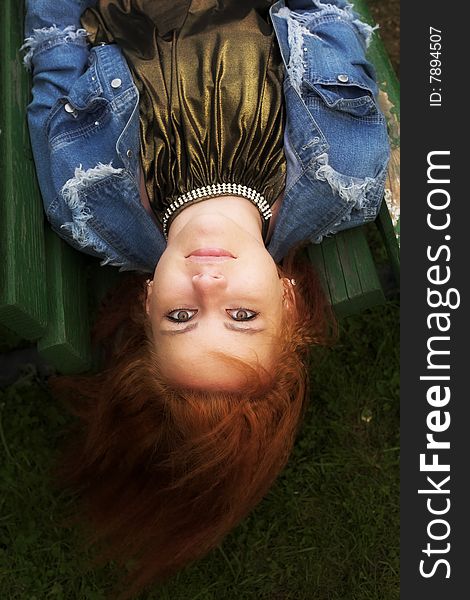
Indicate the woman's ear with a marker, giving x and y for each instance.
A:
(289, 297)
(148, 295)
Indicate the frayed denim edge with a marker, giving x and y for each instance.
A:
(44, 36)
(81, 213)
(365, 30)
(296, 31)
(353, 193)
(297, 28)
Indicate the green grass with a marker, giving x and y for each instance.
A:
(327, 530)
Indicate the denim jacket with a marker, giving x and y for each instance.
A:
(84, 127)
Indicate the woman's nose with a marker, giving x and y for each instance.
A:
(209, 281)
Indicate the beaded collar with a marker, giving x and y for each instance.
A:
(218, 189)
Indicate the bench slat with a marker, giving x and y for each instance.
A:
(346, 268)
(66, 343)
(334, 273)
(360, 254)
(23, 304)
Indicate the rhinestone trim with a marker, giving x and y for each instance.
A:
(218, 189)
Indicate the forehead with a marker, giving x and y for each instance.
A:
(194, 360)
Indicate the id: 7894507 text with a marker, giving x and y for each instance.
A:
(435, 66)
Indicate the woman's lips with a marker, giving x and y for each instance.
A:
(211, 252)
(209, 259)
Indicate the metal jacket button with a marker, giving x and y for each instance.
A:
(116, 83)
(69, 108)
(343, 78)
(129, 153)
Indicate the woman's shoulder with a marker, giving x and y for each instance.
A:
(336, 140)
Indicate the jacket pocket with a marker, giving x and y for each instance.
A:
(354, 99)
(70, 123)
(82, 111)
(336, 69)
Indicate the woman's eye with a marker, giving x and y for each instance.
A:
(181, 315)
(241, 314)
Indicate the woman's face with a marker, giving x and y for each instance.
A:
(215, 288)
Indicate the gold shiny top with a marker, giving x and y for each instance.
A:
(209, 74)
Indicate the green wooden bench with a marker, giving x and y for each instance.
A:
(47, 289)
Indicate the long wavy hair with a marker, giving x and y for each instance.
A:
(162, 474)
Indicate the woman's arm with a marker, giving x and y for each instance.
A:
(61, 13)
(84, 135)
(57, 53)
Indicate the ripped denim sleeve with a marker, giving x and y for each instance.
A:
(351, 191)
(48, 37)
(301, 22)
(327, 64)
(300, 19)
(363, 198)
(72, 192)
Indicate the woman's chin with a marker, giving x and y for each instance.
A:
(210, 231)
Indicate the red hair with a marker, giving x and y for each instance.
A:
(164, 474)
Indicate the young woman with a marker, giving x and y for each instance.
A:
(199, 143)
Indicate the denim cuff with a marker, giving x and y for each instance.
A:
(48, 37)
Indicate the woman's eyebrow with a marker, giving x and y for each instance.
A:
(178, 331)
(251, 330)
(231, 326)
